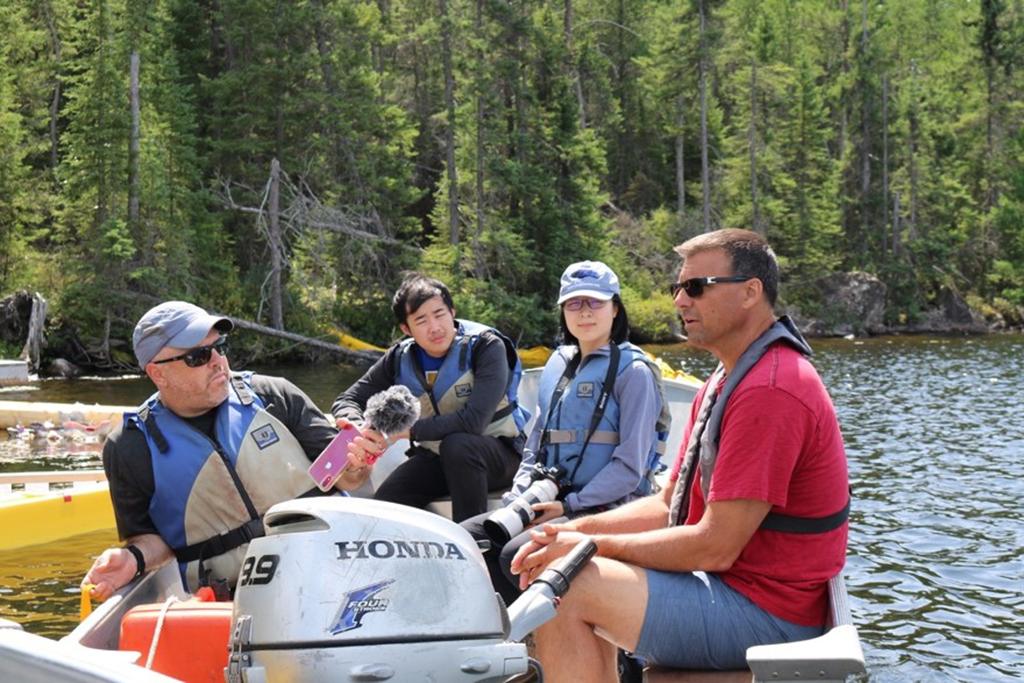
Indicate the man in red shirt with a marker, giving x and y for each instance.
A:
(756, 512)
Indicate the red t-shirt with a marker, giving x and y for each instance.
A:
(780, 443)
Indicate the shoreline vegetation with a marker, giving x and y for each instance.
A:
(285, 164)
(285, 346)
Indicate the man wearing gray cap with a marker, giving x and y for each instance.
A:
(193, 470)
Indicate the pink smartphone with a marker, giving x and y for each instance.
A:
(333, 460)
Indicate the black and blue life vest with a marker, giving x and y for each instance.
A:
(702, 448)
(453, 384)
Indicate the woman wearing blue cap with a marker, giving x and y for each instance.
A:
(602, 419)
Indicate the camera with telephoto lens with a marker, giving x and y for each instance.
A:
(510, 520)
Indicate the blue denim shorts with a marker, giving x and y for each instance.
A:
(695, 621)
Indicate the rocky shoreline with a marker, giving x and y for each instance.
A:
(855, 304)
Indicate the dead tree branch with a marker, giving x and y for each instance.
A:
(357, 357)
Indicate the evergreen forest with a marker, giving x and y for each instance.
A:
(286, 161)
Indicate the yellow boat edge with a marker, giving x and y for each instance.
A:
(35, 518)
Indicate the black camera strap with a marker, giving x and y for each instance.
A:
(556, 397)
(607, 386)
(614, 353)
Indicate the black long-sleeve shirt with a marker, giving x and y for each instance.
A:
(129, 466)
(490, 371)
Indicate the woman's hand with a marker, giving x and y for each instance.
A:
(547, 512)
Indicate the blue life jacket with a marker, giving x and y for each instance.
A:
(570, 438)
(453, 384)
(210, 495)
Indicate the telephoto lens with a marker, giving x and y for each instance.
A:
(510, 520)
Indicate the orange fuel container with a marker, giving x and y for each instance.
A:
(193, 641)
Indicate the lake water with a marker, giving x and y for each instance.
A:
(935, 436)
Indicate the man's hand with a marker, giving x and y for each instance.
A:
(112, 569)
(364, 450)
(546, 545)
(115, 567)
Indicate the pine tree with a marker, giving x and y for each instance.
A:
(756, 81)
(671, 85)
(808, 231)
(366, 141)
(181, 248)
(98, 247)
(12, 176)
(537, 202)
(22, 187)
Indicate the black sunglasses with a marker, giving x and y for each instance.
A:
(694, 287)
(200, 355)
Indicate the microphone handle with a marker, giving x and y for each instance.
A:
(537, 604)
(561, 573)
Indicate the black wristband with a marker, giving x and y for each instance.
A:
(140, 561)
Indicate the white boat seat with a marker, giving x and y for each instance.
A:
(831, 657)
(392, 458)
(443, 506)
(659, 674)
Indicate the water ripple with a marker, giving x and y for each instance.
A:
(934, 438)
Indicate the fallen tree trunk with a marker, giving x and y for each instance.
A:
(357, 357)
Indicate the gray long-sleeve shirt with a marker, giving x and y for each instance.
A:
(639, 406)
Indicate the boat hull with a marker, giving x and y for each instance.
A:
(13, 413)
(35, 514)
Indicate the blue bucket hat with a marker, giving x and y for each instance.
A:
(173, 323)
(588, 278)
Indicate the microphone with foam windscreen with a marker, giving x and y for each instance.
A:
(392, 411)
(389, 412)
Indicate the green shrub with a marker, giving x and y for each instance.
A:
(652, 316)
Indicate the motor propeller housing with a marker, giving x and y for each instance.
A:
(354, 589)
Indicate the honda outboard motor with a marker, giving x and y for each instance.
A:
(346, 589)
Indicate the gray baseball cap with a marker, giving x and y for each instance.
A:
(173, 323)
(588, 278)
